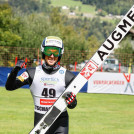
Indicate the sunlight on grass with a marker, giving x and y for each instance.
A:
(94, 114)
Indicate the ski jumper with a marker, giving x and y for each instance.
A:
(45, 86)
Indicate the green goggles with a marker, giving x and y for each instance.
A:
(52, 50)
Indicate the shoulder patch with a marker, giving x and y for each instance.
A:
(61, 71)
(23, 76)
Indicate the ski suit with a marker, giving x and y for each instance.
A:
(45, 86)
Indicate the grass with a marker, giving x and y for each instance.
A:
(16, 111)
(94, 114)
(89, 10)
(72, 3)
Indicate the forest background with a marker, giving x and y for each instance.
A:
(81, 24)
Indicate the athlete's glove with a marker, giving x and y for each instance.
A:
(20, 64)
(71, 100)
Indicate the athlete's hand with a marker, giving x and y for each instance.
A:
(20, 64)
(71, 100)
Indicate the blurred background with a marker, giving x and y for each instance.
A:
(83, 25)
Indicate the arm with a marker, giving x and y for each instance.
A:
(69, 76)
(70, 97)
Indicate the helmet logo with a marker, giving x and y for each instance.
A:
(53, 42)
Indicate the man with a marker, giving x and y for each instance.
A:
(47, 82)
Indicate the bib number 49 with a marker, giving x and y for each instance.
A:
(49, 93)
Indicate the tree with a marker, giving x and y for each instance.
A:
(55, 17)
(44, 6)
(8, 27)
(93, 43)
(111, 6)
(126, 50)
(26, 6)
(35, 27)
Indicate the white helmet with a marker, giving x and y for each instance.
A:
(52, 41)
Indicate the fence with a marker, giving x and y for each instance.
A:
(71, 59)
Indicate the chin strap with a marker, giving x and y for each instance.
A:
(48, 67)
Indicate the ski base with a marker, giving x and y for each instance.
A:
(52, 115)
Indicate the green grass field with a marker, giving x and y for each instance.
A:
(71, 3)
(94, 114)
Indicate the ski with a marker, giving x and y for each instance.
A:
(80, 80)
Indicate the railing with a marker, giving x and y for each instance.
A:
(72, 59)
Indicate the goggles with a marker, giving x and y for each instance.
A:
(52, 50)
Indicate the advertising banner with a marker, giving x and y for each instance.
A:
(115, 83)
(5, 71)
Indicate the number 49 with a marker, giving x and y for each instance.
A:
(51, 93)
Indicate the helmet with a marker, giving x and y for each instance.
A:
(52, 41)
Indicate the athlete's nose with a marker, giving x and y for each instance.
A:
(51, 55)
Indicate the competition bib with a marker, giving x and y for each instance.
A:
(46, 88)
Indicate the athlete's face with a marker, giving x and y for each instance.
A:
(51, 60)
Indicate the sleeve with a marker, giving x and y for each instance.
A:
(13, 82)
(69, 76)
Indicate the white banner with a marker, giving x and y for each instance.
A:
(115, 83)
